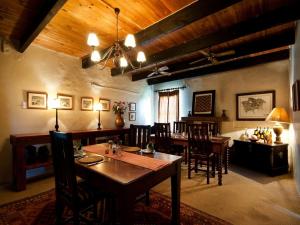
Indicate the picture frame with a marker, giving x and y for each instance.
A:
(87, 103)
(132, 106)
(296, 95)
(254, 105)
(105, 103)
(37, 100)
(65, 101)
(132, 116)
(203, 103)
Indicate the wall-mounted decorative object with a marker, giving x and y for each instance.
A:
(204, 103)
(296, 95)
(87, 103)
(105, 104)
(254, 105)
(132, 106)
(131, 116)
(37, 100)
(65, 101)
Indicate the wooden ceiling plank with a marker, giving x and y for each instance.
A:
(242, 63)
(276, 17)
(275, 41)
(50, 8)
(175, 21)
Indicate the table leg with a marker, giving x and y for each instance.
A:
(226, 160)
(220, 169)
(125, 209)
(175, 189)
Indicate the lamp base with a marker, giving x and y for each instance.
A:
(278, 130)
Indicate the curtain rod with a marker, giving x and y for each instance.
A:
(170, 89)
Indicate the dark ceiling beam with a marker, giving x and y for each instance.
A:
(50, 8)
(193, 12)
(273, 18)
(237, 64)
(267, 43)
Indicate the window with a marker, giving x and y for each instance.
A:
(168, 107)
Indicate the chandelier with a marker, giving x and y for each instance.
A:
(120, 58)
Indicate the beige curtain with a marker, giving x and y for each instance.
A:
(168, 107)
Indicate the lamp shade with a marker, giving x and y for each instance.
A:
(93, 40)
(141, 57)
(278, 114)
(54, 103)
(123, 62)
(130, 41)
(98, 107)
(95, 56)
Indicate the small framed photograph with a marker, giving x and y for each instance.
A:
(132, 106)
(254, 105)
(131, 116)
(37, 100)
(65, 101)
(204, 103)
(105, 103)
(87, 103)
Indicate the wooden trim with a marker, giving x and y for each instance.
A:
(268, 43)
(240, 63)
(38, 24)
(268, 20)
(195, 11)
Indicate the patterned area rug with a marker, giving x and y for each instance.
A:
(40, 210)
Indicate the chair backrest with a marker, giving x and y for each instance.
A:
(198, 139)
(179, 127)
(163, 139)
(64, 166)
(140, 135)
(213, 128)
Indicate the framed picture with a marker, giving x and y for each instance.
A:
(87, 103)
(65, 101)
(204, 103)
(131, 116)
(296, 95)
(132, 106)
(254, 105)
(105, 103)
(37, 100)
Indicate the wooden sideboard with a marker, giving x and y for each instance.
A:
(268, 158)
(209, 119)
(20, 141)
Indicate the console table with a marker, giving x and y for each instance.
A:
(268, 158)
(20, 141)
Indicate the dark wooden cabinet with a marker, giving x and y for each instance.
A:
(268, 158)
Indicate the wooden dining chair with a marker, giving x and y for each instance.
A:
(200, 150)
(139, 135)
(77, 196)
(163, 140)
(180, 127)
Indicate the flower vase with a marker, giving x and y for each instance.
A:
(119, 120)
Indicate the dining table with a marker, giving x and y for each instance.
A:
(128, 173)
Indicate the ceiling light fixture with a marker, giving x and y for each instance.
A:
(120, 58)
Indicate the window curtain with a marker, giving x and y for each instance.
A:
(168, 107)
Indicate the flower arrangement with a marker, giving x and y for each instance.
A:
(119, 107)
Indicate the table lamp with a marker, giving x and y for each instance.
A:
(278, 115)
(98, 107)
(54, 104)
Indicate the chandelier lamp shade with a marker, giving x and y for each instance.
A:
(116, 51)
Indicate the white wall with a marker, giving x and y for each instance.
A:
(295, 128)
(39, 69)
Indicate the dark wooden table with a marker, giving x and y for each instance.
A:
(126, 181)
(20, 141)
